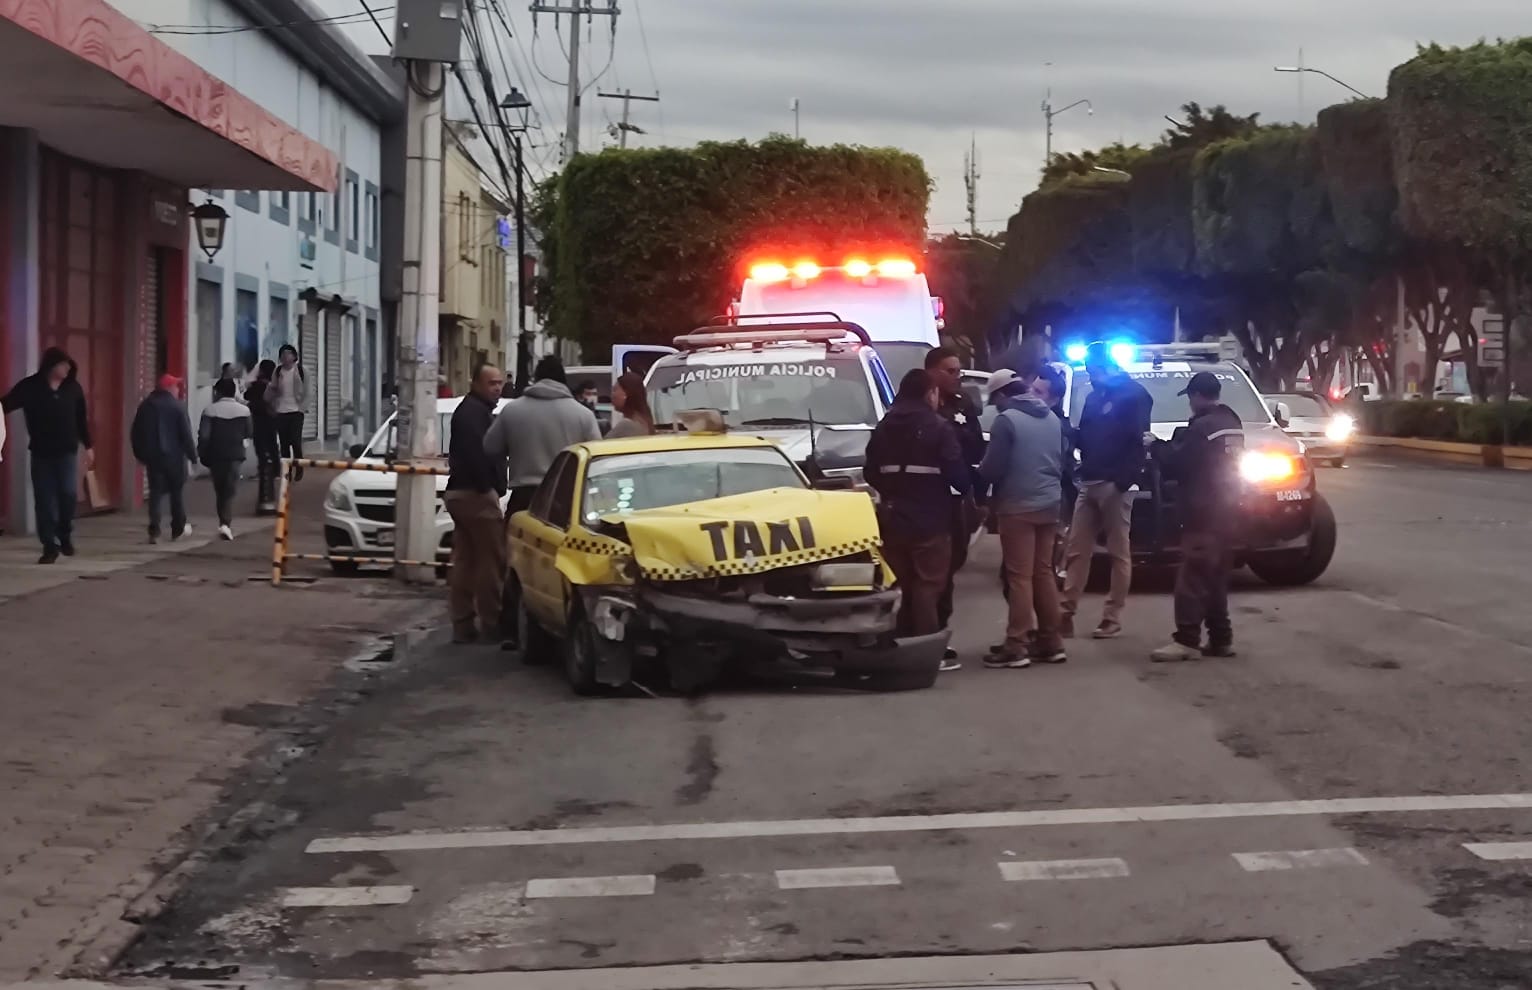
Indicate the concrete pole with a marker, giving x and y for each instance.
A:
(572, 125)
(523, 338)
(419, 431)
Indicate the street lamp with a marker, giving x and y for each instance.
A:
(210, 221)
(516, 101)
(1049, 113)
(1320, 72)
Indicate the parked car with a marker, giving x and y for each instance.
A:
(1324, 430)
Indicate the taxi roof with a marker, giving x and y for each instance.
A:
(660, 442)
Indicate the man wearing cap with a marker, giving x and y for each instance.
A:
(967, 503)
(1203, 457)
(1110, 439)
(163, 444)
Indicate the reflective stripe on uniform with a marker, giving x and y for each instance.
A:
(1226, 433)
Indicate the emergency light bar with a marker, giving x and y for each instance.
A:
(856, 268)
(793, 333)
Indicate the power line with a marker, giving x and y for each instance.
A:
(215, 29)
(376, 23)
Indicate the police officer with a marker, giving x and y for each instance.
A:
(914, 462)
(966, 503)
(1204, 457)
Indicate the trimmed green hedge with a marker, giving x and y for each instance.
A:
(1433, 419)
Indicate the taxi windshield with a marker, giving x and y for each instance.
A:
(828, 391)
(622, 483)
(1169, 407)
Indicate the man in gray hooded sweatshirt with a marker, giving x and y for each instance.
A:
(529, 433)
(1024, 463)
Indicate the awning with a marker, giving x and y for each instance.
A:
(95, 85)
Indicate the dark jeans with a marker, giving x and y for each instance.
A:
(521, 499)
(1202, 589)
(55, 489)
(922, 566)
(961, 531)
(268, 445)
(290, 434)
(164, 482)
(225, 481)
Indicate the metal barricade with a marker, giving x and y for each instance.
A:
(279, 554)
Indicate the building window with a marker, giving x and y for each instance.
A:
(279, 207)
(309, 206)
(465, 219)
(250, 199)
(372, 220)
(353, 211)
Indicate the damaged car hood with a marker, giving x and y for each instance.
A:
(748, 534)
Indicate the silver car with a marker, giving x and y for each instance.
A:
(1324, 430)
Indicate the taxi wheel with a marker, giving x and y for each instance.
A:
(580, 656)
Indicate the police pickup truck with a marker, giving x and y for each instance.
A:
(1288, 532)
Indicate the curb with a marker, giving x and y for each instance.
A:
(1447, 452)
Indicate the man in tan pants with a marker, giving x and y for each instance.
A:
(478, 526)
(1110, 439)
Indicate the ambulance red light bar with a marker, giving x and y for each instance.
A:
(856, 268)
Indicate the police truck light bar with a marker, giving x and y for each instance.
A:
(855, 268)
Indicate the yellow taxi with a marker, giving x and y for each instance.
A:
(674, 557)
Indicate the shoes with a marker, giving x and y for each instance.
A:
(225, 532)
(185, 531)
(465, 634)
(154, 538)
(1067, 627)
(1107, 630)
(66, 547)
(1007, 660)
(1219, 650)
(1049, 656)
(1175, 652)
(950, 661)
(49, 556)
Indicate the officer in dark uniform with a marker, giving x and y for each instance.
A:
(946, 369)
(1204, 457)
(913, 462)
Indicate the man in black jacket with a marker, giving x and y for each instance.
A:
(913, 463)
(1110, 439)
(53, 405)
(1204, 458)
(946, 370)
(163, 444)
(473, 501)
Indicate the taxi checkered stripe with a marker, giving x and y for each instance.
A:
(605, 548)
(737, 568)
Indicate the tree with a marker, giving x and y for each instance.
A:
(1116, 157)
(643, 244)
(961, 271)
(1198, 128)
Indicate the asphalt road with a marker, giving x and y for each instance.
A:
(1101, 804)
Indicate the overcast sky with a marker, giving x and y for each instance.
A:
(925, 75)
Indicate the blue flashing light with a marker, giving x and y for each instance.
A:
(1074, 353)
(1122, 352)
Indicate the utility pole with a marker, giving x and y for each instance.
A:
(971, 184)
(576, 9)
(1048, 114)
(517, 102)
(627, 98)
(792, 105)
(427, 36)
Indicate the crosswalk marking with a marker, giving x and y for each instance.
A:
(1299, 859)
(842, 876)
(494, 838)
(1063, 869)
(621, 886)
(318, 897)
(1500, 851)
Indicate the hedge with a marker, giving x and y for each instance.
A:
(1435, 419)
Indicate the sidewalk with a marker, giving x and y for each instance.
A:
(137, 681)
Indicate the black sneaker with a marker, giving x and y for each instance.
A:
(1049, 656)
(49, 556)
(66, 548)
(1006, 660)
(1219, 650)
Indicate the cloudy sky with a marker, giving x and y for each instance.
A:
(928, 75)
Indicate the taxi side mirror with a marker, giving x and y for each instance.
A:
(837, 484)
(1283, 413)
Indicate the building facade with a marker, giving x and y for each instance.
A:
(296, 268)
(104, 130)
(474, 304)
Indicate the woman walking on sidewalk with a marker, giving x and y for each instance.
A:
(221, 440)
(288, 397)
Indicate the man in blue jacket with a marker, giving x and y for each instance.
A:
(163, 444)
(1024, 466)
(1110, 439)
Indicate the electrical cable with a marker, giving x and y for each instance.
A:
(376, 23)
(354, 17)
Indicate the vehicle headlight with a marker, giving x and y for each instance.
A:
(338, 498)
(1340, 428)
(829, 576)
(1266, 467)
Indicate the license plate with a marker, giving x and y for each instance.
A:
(1295, 495)
(385, 538)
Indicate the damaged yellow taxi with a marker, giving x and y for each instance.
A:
(671, 559)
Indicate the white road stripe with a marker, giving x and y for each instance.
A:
(842, 876)
(629, 886)
(492, 838)
(1299, 859)
(1500, 851)
(316, 897)
(1063, 869)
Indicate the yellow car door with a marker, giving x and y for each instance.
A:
(543, 531)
